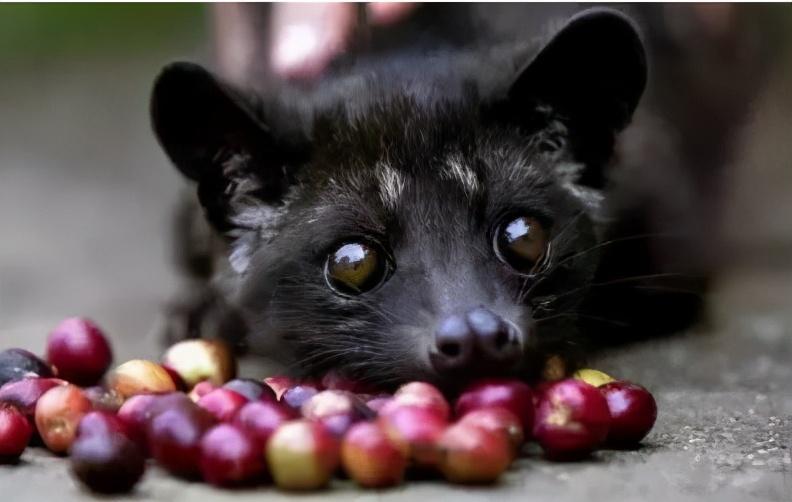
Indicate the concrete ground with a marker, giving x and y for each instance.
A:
(84, 206)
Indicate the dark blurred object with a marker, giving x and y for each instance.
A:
(708, 63)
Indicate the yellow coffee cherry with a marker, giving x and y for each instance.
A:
(592, 377)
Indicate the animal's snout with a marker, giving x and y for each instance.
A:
(478, 338)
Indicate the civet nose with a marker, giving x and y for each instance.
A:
(497, 340)
(454, 344)
(478, 338)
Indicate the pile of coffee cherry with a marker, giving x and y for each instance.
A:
(193, 417)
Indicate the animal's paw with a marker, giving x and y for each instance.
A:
(200, 312)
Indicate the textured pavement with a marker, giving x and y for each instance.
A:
(84, 210)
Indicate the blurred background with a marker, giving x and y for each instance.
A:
(85, 192)
(86, 195)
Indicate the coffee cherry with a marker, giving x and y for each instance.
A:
(338, 425)
(376, 404)
(174, 438)
(296, 396)
(230, 456)
(58, 413)
(198, 360)
(302, 455)
(415, 430)
(371, 458)
(102, 423)
(16, 364)
(25, 393)
(555, 368)
(633, 412)
(328, 402)
(336, 410)
(498, 420)
(472, 454)
(15, 433)
(223, 404)
(279, 385)
(178, 381)
(79, 351)
(103, 458)
(135, 413)
(513, 395)
(139, 376)
(538, 392)
(592, 377)
(572, 420)
(104, 399)
(201, 389)
(139, 410)
(422, 395)
(262, 418)
(253, 390)
(165, 402)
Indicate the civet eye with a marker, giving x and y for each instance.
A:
(521, 243)
(356, 267)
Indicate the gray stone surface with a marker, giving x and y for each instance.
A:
(84, 207)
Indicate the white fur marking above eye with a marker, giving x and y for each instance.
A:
(254, 221)
(457, 170)
(239, 258)
(591, 198)
(391, 185)
(569, 172)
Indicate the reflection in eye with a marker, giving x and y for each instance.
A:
(356, 267)
(521, 243)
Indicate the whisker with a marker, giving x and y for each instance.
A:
(609, 242)
(663, 289)
(578, 315)
(623, 280)
(662, 275)
(547, 273)
(568, 225)
(522, 295)
(327, 357)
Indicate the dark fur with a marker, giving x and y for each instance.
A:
(285, 176)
